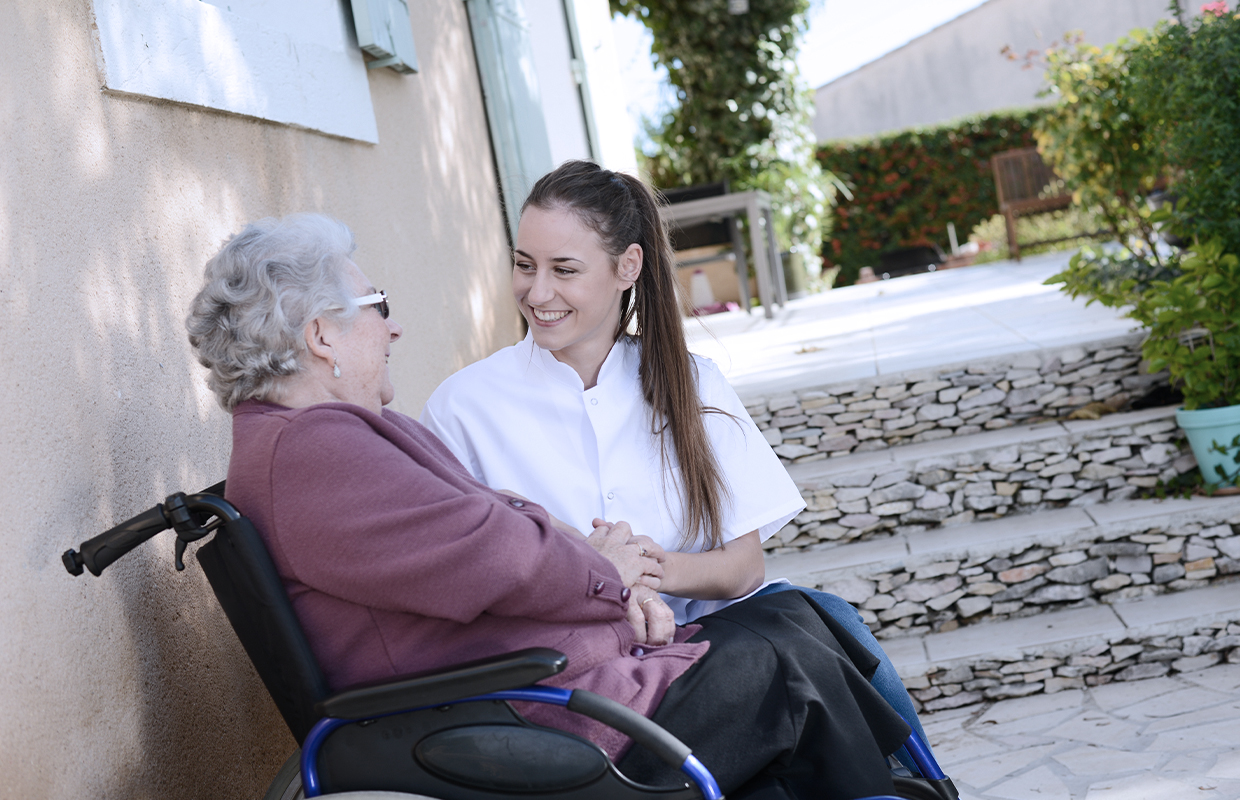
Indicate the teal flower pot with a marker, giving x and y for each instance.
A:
(1206, 426)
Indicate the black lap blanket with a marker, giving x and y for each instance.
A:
(780, 707)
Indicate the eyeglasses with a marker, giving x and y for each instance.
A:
(378, 300)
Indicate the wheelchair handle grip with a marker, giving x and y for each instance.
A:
(97, 553)
(633, 725)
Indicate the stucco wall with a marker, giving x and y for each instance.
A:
(132, 685)
(957, 69)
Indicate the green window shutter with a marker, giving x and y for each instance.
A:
(383, 31)
(510, 89)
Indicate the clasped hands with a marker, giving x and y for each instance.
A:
(639, 560)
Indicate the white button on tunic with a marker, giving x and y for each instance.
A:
(521, 420)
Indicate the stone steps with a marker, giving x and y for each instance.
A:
(985, 525)
(830, 421)
(1071, 648)
(1021, 469)
(993, 542)
(942, 579)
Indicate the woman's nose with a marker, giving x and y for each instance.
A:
(395, 329)
(541, 290)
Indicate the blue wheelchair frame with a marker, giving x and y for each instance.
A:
(244, 574)
(692, 767)
(696, 771)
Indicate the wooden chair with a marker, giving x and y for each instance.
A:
(1026, 186)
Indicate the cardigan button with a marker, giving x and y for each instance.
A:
(625, 594)
(517, 503)
(598, 587)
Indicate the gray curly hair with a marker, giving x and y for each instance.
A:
(259, 292)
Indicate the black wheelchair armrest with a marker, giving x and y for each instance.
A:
(499, 673)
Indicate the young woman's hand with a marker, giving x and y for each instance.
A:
(615, 542)
(654, 623)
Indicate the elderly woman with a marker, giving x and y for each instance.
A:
(397, 561)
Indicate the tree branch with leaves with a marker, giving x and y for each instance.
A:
(743, 115)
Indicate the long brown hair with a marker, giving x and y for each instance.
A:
(622, 211)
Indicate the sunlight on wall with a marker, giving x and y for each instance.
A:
(109, 207)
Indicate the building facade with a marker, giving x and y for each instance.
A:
(959, 69)
(137, 135)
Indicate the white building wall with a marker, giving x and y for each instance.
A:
(579, 83)
(957, 68)
(567, 131)
(606, 97)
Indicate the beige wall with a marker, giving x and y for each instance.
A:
(132, 685)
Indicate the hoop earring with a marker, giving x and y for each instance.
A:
(335, 368)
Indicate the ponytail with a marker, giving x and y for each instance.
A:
(623, 211)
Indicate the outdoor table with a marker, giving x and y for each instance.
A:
(756, 206)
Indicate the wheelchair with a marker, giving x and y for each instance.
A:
(450, 735)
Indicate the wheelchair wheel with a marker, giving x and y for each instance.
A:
(287, 783)
(287, 786)
(915, 789)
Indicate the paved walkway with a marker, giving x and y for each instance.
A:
(907, 323)
(1174, 738)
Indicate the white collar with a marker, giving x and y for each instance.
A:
(622, 360)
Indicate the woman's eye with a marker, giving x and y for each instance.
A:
(564, 271)
(524, 267)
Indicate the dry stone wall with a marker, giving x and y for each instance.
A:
(836, 420)
(1105, 464)
(1124, 660)
(945, 595)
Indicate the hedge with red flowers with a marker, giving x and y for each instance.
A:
(907, 186)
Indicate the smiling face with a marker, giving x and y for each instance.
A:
(568, 287)
(362, 352)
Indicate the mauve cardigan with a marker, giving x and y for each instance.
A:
(397, 561)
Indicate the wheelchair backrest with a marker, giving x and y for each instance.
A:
(252, 595)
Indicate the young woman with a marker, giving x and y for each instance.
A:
(603, 414)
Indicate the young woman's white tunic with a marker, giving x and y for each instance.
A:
(521, 420)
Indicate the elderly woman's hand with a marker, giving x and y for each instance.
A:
(615, 542)
(654, 623)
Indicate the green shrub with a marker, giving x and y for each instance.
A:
(1194, 323)
(1061, 229)
(1164, 102)
(1096, 139)
(1187, 85)
(1115, 277)
(907, 186)
(1190, 304)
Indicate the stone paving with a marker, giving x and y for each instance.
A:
(1169, 738)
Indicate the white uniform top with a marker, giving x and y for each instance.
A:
(523, 421)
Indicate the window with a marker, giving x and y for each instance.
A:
(295, 62)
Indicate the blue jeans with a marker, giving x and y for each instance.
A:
(885, 679)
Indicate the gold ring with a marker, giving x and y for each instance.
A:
(648, 600)
(641, 550)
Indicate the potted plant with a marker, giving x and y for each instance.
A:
(1194, 333)
(1171, 94)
